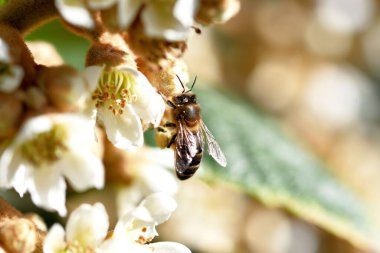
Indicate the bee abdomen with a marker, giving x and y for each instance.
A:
(188, 170)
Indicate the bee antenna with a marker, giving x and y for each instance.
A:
(192, 86)
(183, 86)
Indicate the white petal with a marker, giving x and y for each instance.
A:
(168, 247)
(55, 240)
(127, 198)
(160, 205)
(80, 165)
(75, 12)
(32, 127)
(160, 22)
(8, 165)
(20, 178)
(48, 189)
(149, 105)
(124, 131)
(91, 75)
(127, 11)
(119, 244)
(101, 4)
(140, 222)
(184, 11)
(4, 52)
(157, 179)
(10, 82)
(88, 224)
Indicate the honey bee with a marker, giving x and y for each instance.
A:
(191, 134)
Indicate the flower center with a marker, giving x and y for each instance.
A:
(114, 91)
(76, 247)
(46, 147)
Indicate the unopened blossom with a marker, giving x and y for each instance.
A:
(137, 228)
(149, 169)
(10, 75)
(86, 228)
(47, 149)
(125, 101)
(165, 19)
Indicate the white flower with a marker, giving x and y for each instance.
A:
(123, 98)
(165, 19)
(10, 75)
(148, 168)
(76, 13)
(47, 149)
(138, 227)
(86, 228)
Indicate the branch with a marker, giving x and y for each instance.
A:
(24, 15)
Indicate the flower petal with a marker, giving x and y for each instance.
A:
(123, 131)
(87, 224)
(101, 4)
(75, 12)
(4, 52)
(149, 105)
(81, 164)
(154, 178)
(127, 11)
(54, 240)
(91, 75)
(127, 198)
(168, 247)
(160, 206)
(48, 189)
(184, 11)
(20, 177)
(171, 21)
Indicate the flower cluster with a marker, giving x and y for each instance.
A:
(68, 130)
(87, 229)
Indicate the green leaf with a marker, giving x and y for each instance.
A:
(270, 167)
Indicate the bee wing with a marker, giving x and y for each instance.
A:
(188, 144)
(212, 146)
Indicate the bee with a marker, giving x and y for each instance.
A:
(191, 134)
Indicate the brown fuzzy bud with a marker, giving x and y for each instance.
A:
(216, 11)
(153, 50)
(104, 54)
(63, 86)
(19, 53)
(18, 234)
(10, 111)
(45, 53)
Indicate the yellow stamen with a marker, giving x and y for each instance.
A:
(46, 147)
(115, 90)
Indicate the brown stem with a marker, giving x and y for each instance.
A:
(24, 15)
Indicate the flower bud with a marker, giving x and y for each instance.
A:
(10, 111)
(18, 52)
(63, 87)
(18, 236)
(216, 11)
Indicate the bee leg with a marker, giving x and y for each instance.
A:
(168, 102)
(171, 141)
(161, 129)
(170, 125)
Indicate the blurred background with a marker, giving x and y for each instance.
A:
(312, 68)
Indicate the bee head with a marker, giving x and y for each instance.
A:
(185, 99)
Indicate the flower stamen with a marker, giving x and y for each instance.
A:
(115, 90)
(46, 147)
